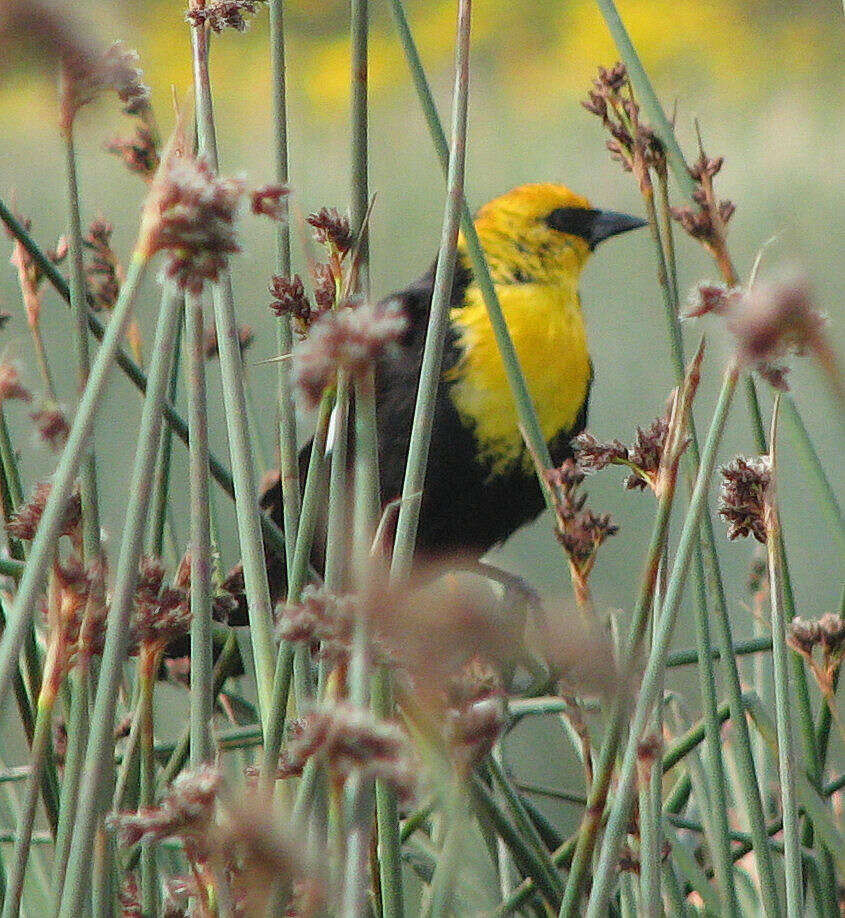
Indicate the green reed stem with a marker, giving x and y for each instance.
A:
(99, 757)
(78, 726)
(160, 512)
(144, 714)
(667, 277)
(814, 471)
(202, 664)
(274, 536)
(286, 657)
(604, 875)
(234, 401)
(597, 798)
(780, 658)
(43, 546)
(288, 465)
(26, 818)
(760, 644)
(526, 411)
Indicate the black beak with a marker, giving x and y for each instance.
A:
(607, 223)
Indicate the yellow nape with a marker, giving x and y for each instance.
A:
(536, 271)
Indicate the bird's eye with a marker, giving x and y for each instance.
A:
(577, 221)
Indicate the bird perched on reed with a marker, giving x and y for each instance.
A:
(480, 482)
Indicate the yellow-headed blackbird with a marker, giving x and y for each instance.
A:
(480, 484)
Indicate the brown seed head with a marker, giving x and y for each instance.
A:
(351, 339)
(139, 151)
(191, 214)
(289, 298)
(102, 272)
(161, 613)
(269, 201)
(221, 14)
(325, 288)
(743, 496)
(11, 386)
(332, 229)
(52, 426)
(185, 812)
(24, 523)
(116, 70)
(320, 617)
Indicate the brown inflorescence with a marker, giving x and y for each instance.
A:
(350, 738)
(331, 228)
(290, 298)
(11, 386)
(185, 812)
(744, 494)
(319, 617)
(827, 634)
(52, 425)
(708, 218)
(24, 522)
(102, 273)
(643, 457)
(580, 531)
(346, 338)
(269, 201)
(633, 145)
(162, 613)
(139, 151)
(221, 14)
(191, 215)
(116, 70)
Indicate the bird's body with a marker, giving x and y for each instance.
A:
(480, 484)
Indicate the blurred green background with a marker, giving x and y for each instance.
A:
(763, 78)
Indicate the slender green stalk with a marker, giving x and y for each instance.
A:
(26, 818)
(43, 546)
(815, 474)
(134, 373)
(780, 657)
(160, 515)
(243, 467)
(541, 871)
(597, 798)
(526, 412)
(78, 726)
(147, 665)
(202, 664)
(285, 659)
(620, 810)
(288, 465)
(100, 753)
(761, 644)
(79, 306)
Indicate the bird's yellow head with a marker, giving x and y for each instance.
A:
(543, 233)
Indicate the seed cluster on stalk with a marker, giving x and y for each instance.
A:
(218, 15)
(744, 494)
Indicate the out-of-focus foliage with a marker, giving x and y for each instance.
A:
(737, 47)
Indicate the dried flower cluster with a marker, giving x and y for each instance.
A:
(580, 531)
(332, 229)
(347, 338)
(744, 494)
(828, 635)
(350, 738)
(11, 386)
(770, 321)
(139, 151)
(52, 425)
(633, 144)
(102, 272)
(269, 201)
(707, 221)
(475, 716)
(290, 299)
(320, 618)
(30, 276)
(24, 522)
(162, 613)
(116, 70)
(191, 215)
(643, 457)
(185, 812)
(221, 14)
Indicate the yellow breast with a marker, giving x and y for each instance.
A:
(548, 333)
